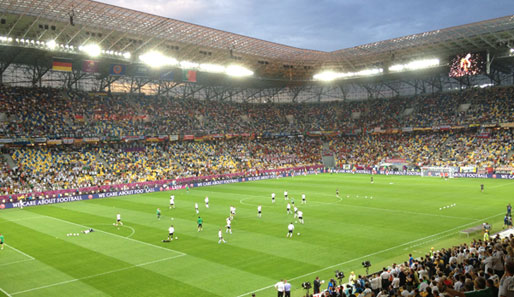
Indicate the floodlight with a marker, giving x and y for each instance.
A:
(9, 39)
(238, 71)
(188, 64)
(22, 40)
(126, 55)
(91, 49)
(415, 65)
(215, 68)
(51, 44)
(325, 76)
(156, 59)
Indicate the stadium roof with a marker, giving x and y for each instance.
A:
(121, 29)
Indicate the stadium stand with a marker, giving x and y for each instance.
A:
(102, 140)
(464, 270)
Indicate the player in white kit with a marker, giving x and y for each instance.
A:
(288, 208)
(196, 208)
(220, 236)
(300, 216)
(172, 201)
(206, 202)
(303, 199)
(290, 229)
(285, 195)
(118, 221)
(272, 197)
(229, 226)
(259, 211)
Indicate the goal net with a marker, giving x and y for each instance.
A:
(443, 172)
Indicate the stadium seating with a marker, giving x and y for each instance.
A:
(427, 130)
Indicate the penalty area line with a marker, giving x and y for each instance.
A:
(375, 253)
(17, 250)
(94, 275)
(7, 294)
(119, 236)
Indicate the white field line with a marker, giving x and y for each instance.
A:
(15, 262)
(375, 253)
(94, 275)
(7, 294)
(133, 231)
(17, 250)
(116, 235)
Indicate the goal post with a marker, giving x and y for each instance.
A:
(439, 171)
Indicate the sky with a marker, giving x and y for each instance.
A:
(325, 25)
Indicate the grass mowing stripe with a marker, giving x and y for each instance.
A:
(17, 250)
(96, 275)
(372, 254)
(16, 262)
(116, 235)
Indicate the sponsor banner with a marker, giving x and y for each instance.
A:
(458, 127)
(188, 137)
(395, 161)
(6, 140)
(91, 139)
(150, 187)
(128, 138)
(68, 140)
(489, 125)
(54, 141)
(22, 141)
(468, 169)
(174, 137)
(40, 140)
(407, 129)
(423, 128)
(473, 125)
(507, 125)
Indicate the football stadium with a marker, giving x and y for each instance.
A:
(146, 156)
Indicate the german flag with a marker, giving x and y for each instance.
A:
(61, 65)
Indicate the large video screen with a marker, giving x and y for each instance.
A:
(467, 64)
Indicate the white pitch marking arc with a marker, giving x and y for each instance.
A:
(128, 236)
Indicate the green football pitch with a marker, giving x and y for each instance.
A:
(381, 222)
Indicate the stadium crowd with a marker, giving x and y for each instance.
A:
(44, 112)
(51, 113)
(482, 268)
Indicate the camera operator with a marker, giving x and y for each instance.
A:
(317, 285)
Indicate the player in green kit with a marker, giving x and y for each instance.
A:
(158, 213)
(1, 241)
(200, 224)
